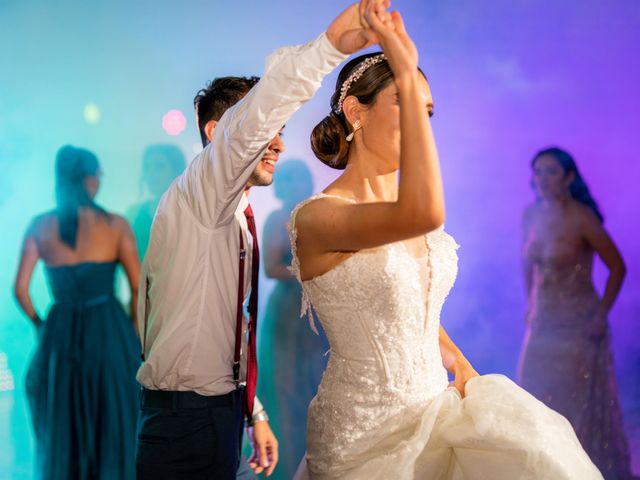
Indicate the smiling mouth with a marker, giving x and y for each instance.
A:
(269, 164)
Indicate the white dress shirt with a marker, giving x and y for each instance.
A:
(189, 282)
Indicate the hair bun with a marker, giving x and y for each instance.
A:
(329, 142)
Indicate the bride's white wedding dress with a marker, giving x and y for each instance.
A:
(384, 409)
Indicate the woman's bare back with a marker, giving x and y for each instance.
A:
(98, 239)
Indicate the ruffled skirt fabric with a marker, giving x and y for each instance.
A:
(83, 394)
(498, 431)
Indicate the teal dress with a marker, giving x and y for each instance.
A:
(81, 384)
(292, 359)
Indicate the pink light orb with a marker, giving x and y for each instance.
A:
(173, 122)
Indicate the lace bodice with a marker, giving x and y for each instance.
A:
(372, 309)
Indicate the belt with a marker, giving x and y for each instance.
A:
(177, 400)
(82, 303)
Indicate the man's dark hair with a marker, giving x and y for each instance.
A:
(219, 95)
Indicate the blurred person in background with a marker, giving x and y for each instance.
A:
(291, 356)
(81, 383)
(161, 165)
(566, 360)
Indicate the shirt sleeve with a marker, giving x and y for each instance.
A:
(213, 183)
(257, 405)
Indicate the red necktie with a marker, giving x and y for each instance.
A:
(252, 361)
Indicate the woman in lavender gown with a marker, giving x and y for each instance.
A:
(566, 359)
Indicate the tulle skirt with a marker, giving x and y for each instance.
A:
(497, 431)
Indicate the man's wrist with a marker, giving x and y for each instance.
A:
(261, 416)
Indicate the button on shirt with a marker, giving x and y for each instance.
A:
(189, 287)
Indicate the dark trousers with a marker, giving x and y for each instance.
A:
(183, 435)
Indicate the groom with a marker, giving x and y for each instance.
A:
(199, 371)
(210, 103)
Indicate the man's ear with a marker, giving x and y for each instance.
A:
(209, 127)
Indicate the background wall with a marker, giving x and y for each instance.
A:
(508, 78)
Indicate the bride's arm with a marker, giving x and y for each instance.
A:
(455, 362)
(331, 225)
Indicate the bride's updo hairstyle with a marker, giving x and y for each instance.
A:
(329, 137)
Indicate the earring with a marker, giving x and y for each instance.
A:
(356, 127)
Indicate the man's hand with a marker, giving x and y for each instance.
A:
(350, 32)
(265, 448)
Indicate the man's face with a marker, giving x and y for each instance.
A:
(263, 173)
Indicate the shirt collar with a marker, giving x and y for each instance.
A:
(243, 204)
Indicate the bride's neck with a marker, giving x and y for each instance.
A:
(370, 178)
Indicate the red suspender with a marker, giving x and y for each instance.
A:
(236, 353)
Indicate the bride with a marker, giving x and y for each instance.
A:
(376, 264)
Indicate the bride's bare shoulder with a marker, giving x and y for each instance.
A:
(316, 211)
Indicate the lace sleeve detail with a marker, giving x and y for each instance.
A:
(294, 268)
(295, 263)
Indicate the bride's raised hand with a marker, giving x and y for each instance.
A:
(350, 32)
(396, 44)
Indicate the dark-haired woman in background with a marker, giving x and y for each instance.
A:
(161, 165)
(81, 383)
(566, 360)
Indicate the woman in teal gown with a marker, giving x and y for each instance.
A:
(291, 356)
(81, 383)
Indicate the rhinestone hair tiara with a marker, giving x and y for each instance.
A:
(355, 76)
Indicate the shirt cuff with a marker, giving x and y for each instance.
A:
(257, 406)
(331, 53)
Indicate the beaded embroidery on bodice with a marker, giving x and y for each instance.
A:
(383, 335)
